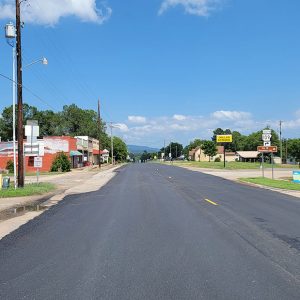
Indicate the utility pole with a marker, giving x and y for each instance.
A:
(99, 134)
(280, 135)
(112, 143)
(164, 150)
(20, 97)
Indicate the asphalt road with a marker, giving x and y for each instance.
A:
(155, 232)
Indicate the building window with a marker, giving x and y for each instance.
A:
(31, 161)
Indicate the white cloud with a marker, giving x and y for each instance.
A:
(201, 8)
(49, 12)
(298, 113)
(179, 117)
(153, 131)
(137, 119)
(226, 115)
(121, 126)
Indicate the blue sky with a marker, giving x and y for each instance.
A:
(164, 69)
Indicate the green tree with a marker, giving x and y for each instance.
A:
(10, 166)
(254, 140)
(209, 148)
(238, 142)
(61, 163)
(219, 131)
(294, 149)
(175, 149)
(120, 149)
(6, 124)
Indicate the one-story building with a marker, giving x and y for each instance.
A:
(248, 156)
(197, 154)
(48, 147)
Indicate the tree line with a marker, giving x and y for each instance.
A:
(71, 121)
(290, 147)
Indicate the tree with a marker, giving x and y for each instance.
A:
(6, 125)
(294, 149)
(254, 140)
(77, 121)
(120, 149)
(238, 142)
(219, 131)
(209, 148)
(175, 149)
(61, 163)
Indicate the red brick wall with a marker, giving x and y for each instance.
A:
(47, 158)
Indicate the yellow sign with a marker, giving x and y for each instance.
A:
(224, 138)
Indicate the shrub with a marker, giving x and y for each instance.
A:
(10, 166)
(61, 163)
(217, 159)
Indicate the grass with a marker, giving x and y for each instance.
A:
(229, 165)
(28, 190)
(280, 184)
(34, 173)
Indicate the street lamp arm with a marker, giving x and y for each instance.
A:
(43, 60)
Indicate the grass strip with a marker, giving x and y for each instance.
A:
(229, 165)
(28, 190)
(276, 183)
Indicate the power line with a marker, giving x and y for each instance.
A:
(29, 91)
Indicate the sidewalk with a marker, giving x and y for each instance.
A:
(63, 182)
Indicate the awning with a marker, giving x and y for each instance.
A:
(75, 153)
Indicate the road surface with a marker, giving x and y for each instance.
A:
(158, 232)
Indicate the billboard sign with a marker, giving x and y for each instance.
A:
(224, 138)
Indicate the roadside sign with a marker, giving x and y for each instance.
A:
(38, 162)
(36, 149)
(267, 144)
(267, 131)
(296, 176)
(267, 149)
(266, 137)
(224, 138)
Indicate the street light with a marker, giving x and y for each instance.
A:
(10, 34)
(43, 60)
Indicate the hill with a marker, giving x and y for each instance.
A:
(140, 149)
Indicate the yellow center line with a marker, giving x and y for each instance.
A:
(211, 202)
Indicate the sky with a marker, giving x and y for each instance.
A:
(164, 70)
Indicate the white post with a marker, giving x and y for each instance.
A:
(112, 145)
(14, 116)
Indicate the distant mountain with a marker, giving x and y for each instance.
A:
(140, 149)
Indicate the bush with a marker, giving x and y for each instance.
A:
(217, 159)
(10, 166)
(61, 163)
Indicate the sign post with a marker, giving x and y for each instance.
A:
(267, 149)
(224, 138)
(38, 163)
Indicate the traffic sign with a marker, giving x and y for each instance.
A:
(266, 137)
(267, 131)
(267, 149)
(267, 144)
(224, 138)
(38, 162)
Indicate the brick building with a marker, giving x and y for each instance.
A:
(50, 146)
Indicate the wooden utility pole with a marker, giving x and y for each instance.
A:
(99, 133)
(20, 97)
(280, 135)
